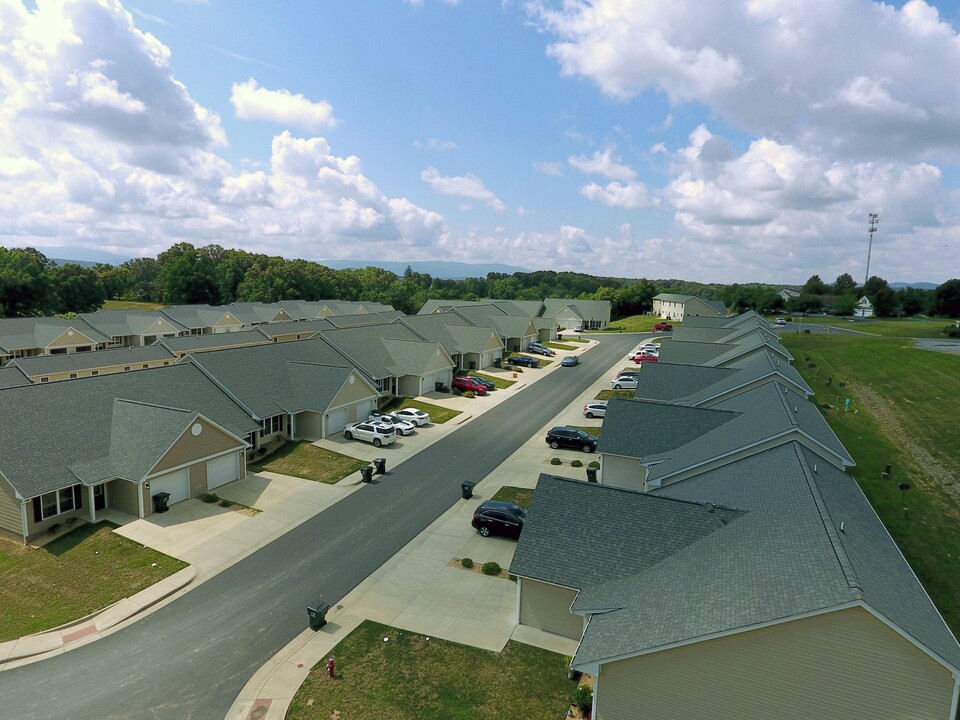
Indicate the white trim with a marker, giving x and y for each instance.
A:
(910, 638)
(956, 697)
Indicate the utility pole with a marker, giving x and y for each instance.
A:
(873, 219)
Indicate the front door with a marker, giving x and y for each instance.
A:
(99, 497)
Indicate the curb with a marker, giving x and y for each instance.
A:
(79, 632)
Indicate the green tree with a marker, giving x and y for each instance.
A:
(844, 284)
(117, 281)
(873, 286)
(76, 289)
(915, 301)
(946, 299)
(845, 304)
(885, 303)
(24, 283)
(187, 276)
(144, 279)
(814, 286)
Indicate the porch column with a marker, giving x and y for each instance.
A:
(90, 501)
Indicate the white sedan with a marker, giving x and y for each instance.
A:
(403, 427)
(417, 417)
(627, 382)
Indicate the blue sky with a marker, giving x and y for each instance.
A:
(725, 142)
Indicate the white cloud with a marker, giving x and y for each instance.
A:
(252, 102)
(103, 147)
(603, 163)
(554, 169)
(630, 196)
(463, 186)
(437, 144)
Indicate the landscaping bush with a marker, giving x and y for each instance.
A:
(583, 699)
(490, 568)
(224, 503)
(469, 394)
(556, 461)
(210, 497)
(445, 389)
(577, 463)
(467, 563)
(594, 464)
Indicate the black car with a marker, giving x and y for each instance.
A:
(564, 436)
(489, 386)
(523, 360)
(499, 518)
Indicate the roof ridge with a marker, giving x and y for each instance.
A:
(846, 566)
(790, 412)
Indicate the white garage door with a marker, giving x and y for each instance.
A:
(222, 470)
(175, 483)
(364, 409)
(336, 421)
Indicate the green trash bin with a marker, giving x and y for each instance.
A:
(317, 614)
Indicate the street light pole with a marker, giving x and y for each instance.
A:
(872, 219)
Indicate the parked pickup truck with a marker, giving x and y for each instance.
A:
(378, 433)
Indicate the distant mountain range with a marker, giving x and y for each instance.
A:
(918, 285)
(435, 268)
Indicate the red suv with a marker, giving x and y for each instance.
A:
(663, 326)
(464, 384)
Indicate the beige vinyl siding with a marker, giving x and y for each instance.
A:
(409, 386)
(190, 448)
(547, 607)
(352, 391)
(844, 665)
(622, 472)
(122, 496)
(11, 518)
(309, 425)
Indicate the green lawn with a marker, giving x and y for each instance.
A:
(904, 412)
(560, 346)
(891, 327)
(73, 576)
(411, 676)
(499, 381)
(521, 496)
(438, 414)
(303, 460)
(130, 305)
(607, 394)
(636, 323)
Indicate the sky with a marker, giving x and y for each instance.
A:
(735, 141)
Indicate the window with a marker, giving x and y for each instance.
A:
(58, 502)
(165, 363)
(126, 368)
(44, 379)
(145, 366)
(94, 372)
(73, 376)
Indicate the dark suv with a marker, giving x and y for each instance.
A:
(524, 360)
(563, 436)
(499, 518)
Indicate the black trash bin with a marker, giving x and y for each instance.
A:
(381, 465)
(438, 387)
(466, 489)
(473, 365)
(591, 474)
(497, 362)
(559, 336)
(160, 501)
(367, 473)
(317, 614)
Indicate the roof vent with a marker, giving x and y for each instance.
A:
(841, 526)
(709, 507)
(814, 467)
(795, 408)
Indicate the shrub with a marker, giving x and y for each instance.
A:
(577, 463)
(583, 699)
(467, 563)
(512, 578)
(556, 461)
(209, 497)
(490, 568)
(469, 394)
(594, 464)
(224, 503)
(445, 389)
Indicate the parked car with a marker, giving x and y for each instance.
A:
(628, 373)
(403, 427)
(625, 382)
(523, 360)
(482, 381)
(649, 347)
(376, 432)
(563, 436)
(595, 409)
(540, 349)
(780, 321)
(645, 357)
(463, 384)
(663, 326)
(414, 415)
(570, 361)
(493, 517)
(578, 328)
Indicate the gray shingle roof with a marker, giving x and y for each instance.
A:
(39, 332)
(672, 297)
(200, 316)
(305, 328)
(452, 331)
(254, 313)
(365, 347)
(371, 318)
(195, 343)
(70, 362)
(12, 376)
(119, 323)
(37, 451)
(278, 378)
(668, 382)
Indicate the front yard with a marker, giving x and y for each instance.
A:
(383, 673)
(303, 460)
(438, 414)
(73, 576)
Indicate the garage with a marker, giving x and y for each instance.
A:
(176, 483)
(364, 409)
(222, 470)
(547, 607)
(336, 421)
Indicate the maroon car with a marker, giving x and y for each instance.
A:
(645, 357)
(663, 326)
(464, 384)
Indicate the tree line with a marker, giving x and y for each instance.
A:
(33, 285)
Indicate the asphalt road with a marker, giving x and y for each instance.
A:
(192, 657)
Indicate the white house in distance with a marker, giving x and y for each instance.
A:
(669, 306)
(864, 307)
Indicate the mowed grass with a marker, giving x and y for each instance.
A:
(73, 576)
(499, 382)
(409, 676)
(438, 414)
(560, 346)
(509, 493)
(636, 323)
(891, 327)
(607, 394)
(309, 462)
(904, 412)
(131, 305)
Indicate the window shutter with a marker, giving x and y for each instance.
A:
(37, 512)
